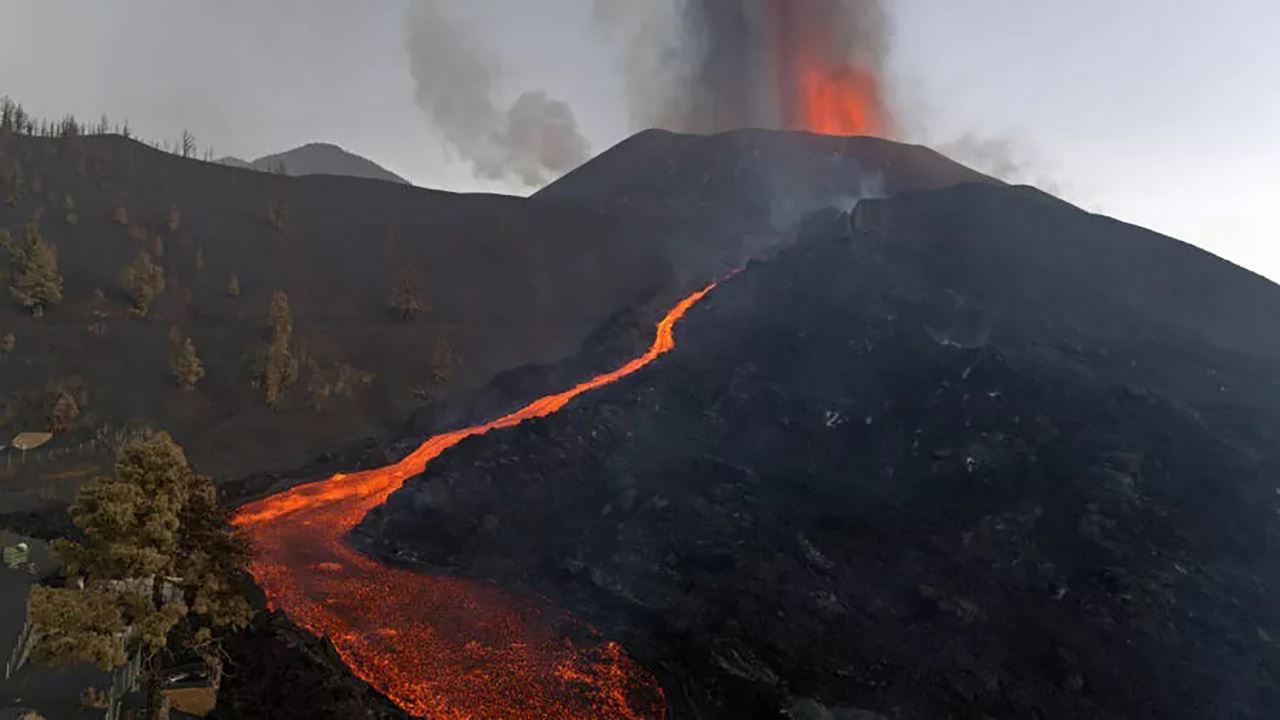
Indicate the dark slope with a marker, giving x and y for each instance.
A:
(995, 458)
(510, 281)
(768, 175)
(318, 159)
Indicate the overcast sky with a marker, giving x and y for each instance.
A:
(1165, 113)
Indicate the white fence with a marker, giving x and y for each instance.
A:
(123, 682)
(21, 648)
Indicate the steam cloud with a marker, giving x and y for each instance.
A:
(1002, 157)
(455, 75)
(712, 65)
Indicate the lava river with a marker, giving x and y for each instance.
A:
(442, 647)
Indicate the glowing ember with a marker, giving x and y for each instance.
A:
(439, 646)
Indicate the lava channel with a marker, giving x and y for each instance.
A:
(442, 647)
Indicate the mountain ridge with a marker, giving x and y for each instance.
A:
(317, 158)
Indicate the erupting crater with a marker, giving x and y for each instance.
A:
(839, 101)
(822, 88)
(443, 647)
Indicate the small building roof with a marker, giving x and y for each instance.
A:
(31, 440)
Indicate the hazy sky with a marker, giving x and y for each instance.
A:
(1165, 113)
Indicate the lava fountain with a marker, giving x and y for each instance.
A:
(442, 647)
(826, 65)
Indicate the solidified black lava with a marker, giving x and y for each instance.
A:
(984, 456)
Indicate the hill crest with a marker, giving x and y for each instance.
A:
(317, 158)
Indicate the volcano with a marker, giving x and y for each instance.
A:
(967, 452)
(763, 178)
(951, 448)
(514, 283)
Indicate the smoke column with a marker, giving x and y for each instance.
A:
(454, 76)
(712, 65)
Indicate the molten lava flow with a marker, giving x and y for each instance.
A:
(440, 646)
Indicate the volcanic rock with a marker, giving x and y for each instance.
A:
(1013, 460)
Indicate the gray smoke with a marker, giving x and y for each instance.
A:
(1002, 157)
(455, 75)
(711, 65)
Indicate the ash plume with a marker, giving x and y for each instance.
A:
(456, 76)
(712, 65)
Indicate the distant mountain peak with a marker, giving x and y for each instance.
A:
(317, 158)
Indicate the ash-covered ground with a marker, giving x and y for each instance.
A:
(986, 456)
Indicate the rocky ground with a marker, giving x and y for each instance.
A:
(987, 457)
(280, 672)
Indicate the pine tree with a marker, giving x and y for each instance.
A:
(35, 281)
(142, 280)
(159, 568)
(174, 221)
(281, 365)
(280, 316)
(406, 293)
(6, 114)
(64, 414)
(278, 213)
(186, 366)
(14, 184)
(443, 363)
(68, 127)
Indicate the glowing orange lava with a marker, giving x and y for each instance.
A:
(822, 88)
(839, 101)
(441, 647)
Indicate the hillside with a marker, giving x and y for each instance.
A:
(984, 455)
(317, 159)
(506, 281)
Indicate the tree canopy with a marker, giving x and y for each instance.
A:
(185, 365)
(35, 282)
(406, 293)
(156, 568)
(142, 280)
(281, 364)
(444, 364)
